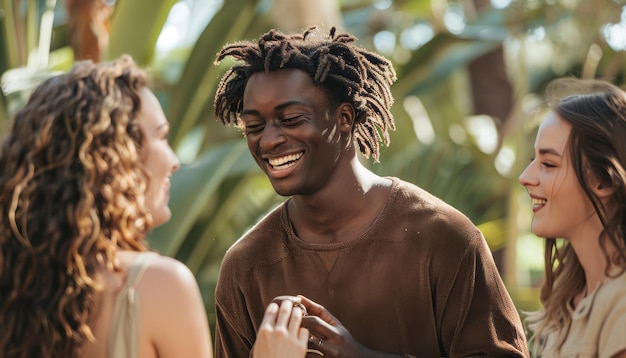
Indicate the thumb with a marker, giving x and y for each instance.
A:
(315, 309)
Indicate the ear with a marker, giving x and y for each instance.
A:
(346, 116)
(602, 190)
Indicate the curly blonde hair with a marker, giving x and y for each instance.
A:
(72, 195)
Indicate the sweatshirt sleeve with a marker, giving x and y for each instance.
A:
(230, 341)
(234, 330)
(479, 316)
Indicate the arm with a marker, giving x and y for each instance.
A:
(231, 340)
(173, 313)
(478, 316)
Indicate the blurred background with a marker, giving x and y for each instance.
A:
(471, 75)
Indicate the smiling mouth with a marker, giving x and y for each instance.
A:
(284, 162)
(538, 203)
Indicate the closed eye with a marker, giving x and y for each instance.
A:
(254, 128)
(291, 119)
(544, 163)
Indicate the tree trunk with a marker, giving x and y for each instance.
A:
(492, 91)
(492, 94)
(88, 25)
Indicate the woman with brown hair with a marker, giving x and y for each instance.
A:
(577, 184)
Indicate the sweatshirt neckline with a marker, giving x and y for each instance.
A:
(286, 223)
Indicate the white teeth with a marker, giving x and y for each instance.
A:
(537, 202)
(284, 162)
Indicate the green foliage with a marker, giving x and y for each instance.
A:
(27, 56)
(135, 28)
(192, 97)
(219, 193)
(432, 65)
(10, 57)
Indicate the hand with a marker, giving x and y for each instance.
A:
(294, 300)
(328, 335)
(280, 334)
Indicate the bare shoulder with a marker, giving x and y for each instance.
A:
(166, 275)
(173, 312)
(166, 266)
(160, 270)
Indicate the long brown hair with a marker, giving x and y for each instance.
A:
(596, 111)
(71, 195)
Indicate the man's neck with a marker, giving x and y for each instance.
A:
(342, 210)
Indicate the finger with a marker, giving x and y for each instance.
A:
(284, 313)
(294, 300)
(269, 318)
(279, 299)
(303, 335)
(318, 328)
(312, 340)
(316, 309)
(315, 344)
(294, 320)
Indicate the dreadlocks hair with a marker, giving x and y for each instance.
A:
(72, 194)
(346, 72)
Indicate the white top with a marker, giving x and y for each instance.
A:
(598, 327)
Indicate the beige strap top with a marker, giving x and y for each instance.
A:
(124, 333)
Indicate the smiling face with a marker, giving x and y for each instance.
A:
(561, 208)
(157, 156)
(293, 135)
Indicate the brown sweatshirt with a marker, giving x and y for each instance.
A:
(420, 281)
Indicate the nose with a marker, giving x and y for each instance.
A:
(272, 136)
(175, 161)
(527, 177)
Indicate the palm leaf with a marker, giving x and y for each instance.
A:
(192, 96)
(193, 188)
(135, 28)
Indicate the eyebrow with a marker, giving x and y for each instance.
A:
(277, 108)
(548, 151)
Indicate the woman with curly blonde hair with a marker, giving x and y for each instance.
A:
(85, 175)
(577, 184)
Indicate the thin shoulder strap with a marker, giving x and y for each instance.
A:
(138, 267)
(124, 332)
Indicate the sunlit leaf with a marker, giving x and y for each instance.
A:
(135, 28)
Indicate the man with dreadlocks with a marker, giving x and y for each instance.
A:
(401, 271)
